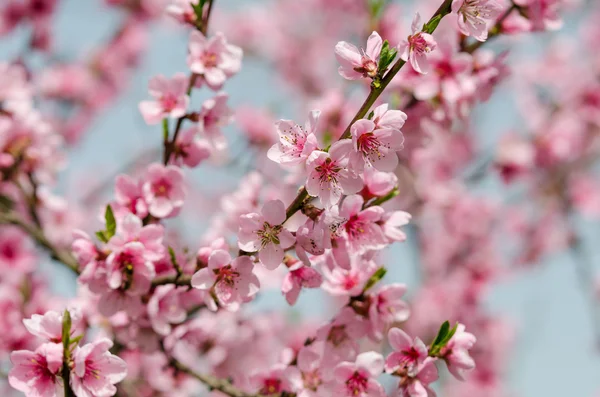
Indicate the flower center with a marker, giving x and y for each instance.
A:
(162, 188)
(168, 102)
(357, 384)
(271, 386)
(269, 234)
(418, 43)
(311, 380)
(209, 59)
(328, 171)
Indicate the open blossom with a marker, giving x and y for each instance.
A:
(131, 229)
(341, 281)
(264, 233)
(360, 227)
(296, 279)
(329, 176)
(164, 190)
(36, 373)
(272, 382)
(233, 281)
(456, 352)
(190, 150)
(358, 379)
(165, 307)
(213, 115)
(129, 269)
(374, 147)
(383, 117)
(355, 64)
(129, 196)
(213, 58)
(408, 354)
(378, 183)
(418, 385)
(310, 377)
(387, 307)
(416, 48)
(96, 370)
(295, 143)
(474, 16)
(392, 222)
(170, 98)
(49, 325)
(341, 335)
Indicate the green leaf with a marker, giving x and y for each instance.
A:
(198, 9)
(6, 203)
(371, 114)
(442, 333)
(378, 275)
(66, 328)
(172, 255)
(75, 340)
(386, 57)
(376, 7)
(111, 223)
(101, 236)
(387, 197)
(433, 23)
(443, 337)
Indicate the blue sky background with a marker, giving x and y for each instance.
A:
(554, 355)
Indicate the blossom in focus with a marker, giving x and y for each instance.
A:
(474, 16)
(164, 190)
(355, 64)
(295, 143)
(374, 147)
(170, 98)
(358, 379)
(264, 233)
(329, 176)
(408, 354)
(233, 281)
(96, 370)
(456, 352)
(213, 58)
(417, 46)
(37, 373)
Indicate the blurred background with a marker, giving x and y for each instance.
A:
(543, 308)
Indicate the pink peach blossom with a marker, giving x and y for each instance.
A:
(96, 370)
(329, 176)
(164, 190)
(264, 233)
(358, 379)
(416, 48)
(355, 64)
(171, 99)
(37, 373)
(374, 147)
(295, 143)
(233, 281)
(213, 58)
(474, 16)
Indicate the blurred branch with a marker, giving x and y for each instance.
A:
(60, 254)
